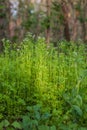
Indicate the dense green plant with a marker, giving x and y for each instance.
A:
(34, 119)
(55, 78)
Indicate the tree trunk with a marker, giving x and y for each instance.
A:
(48, 4)
(3, 21)
(66, 14)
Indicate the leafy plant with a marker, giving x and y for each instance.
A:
(53, 77)
(34, 118)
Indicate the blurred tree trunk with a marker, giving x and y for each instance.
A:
(66, 13)
(84, 22)
(3, 21)
(48, 5)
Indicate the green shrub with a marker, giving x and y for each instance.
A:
(55, 78)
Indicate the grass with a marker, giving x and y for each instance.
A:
(54, 78)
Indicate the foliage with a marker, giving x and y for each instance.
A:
(35, 119)
(54, 78)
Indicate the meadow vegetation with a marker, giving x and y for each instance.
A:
(43, 88)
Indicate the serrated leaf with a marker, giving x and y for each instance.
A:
(16, 125)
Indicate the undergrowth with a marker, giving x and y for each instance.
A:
(55, 79)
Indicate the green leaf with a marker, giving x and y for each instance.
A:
(36, 107)
(43, 127)
(2, 7)
(34, 122)
(29, 108)
(79, 100)
(78, 110)
(63, 127)
(82, 128)
(53, 127)
(26, 122)
(10, 128)
(16, 125)
(1, 125)
(5, 123)
(37, 115)
(46, 116)
(21, 101)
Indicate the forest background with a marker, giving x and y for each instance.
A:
(53, 19)
(43, 64)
